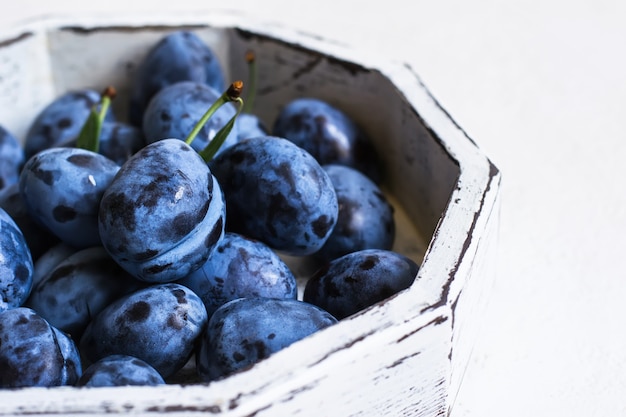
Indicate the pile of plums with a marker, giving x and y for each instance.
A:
(123, 261)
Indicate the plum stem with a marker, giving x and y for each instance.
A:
(211, 149)
(89, 136)
(233, 93)
(252, 78)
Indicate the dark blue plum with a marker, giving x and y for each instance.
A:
(11, 158)
(38, 237)
(358, 280)
(35, 354)
(163, 213)
(175, 111)
(77, 288)
(16, 265)
(246, 330)
(328, 134)
(241, 267)
(118, 141)
(249, 126)
(158, 324)
(50, 259)
(277, 193)
(72, 367)
(179, 56)
(365, 219)
(61, 120)
(118, 371)
(62, 188)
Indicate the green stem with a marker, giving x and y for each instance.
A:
(104, 107)
(205, 118)
(252, 78)
(211, 149)
(233, 93)
(89, 136)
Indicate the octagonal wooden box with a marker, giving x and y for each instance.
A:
(405, 356)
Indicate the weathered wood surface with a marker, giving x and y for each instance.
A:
(403, 357)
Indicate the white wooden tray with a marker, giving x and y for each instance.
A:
(402, 357)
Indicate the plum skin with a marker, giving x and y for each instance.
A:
(34, 353)
(119, 370)
(11, 158)
(16, 264)
(78, 287)
(353, 282)
(158, 324)
(38, 238)
(365, 219)
(163, 213)
(61, 120)
(62, 188)
(249, 126)
(241, 267)
(278, 193)
(247, 330)
(175, 110)
(328, 133)
(118, 141)
(179, 56)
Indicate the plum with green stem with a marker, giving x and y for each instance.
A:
(61, 120)
(61, 187)
(164, 212)
(175, 110)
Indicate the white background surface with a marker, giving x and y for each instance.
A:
(540, 85)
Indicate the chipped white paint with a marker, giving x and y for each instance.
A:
(402, 357)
